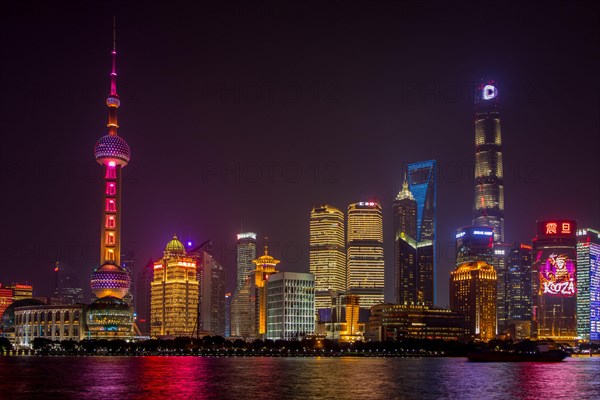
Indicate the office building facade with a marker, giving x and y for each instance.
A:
(245, 253)
(405, 246)
(423, 186)
(327, 253)
(364, 250)
(396, 322)
(290, 306)
(473, 294)
(212, 294)
(174, 293)
(474, 244)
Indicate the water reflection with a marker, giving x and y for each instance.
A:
(303, 378)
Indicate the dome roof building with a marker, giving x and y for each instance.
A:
(174, 247)
(174, 293)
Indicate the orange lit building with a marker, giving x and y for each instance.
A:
(265, 266)
(473, 294)
(174, 293)
(21, 291)
(6, 298)
(344, 322)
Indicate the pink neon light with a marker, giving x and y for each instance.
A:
(110, 206)
(111, 190)
(112, 164)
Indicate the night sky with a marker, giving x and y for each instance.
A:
(244, 116)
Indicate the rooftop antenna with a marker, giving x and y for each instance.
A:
(113, 74)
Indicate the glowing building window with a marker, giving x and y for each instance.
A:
(110, 255)
(110, 205)
(110, 238)
(111, 188)
(110, 221)
(111, 172)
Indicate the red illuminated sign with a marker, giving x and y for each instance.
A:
(560, 227)
(550, 228)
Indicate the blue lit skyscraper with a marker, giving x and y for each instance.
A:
(588, 284)
(422, 185)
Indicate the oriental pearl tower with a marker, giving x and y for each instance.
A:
(109, 314)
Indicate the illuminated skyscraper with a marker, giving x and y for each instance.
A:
(290, 306)
(246, 252)
(488, 207)
(174, 304)
(327, 253)
(473, 294)
(109, 316)
(512, 262)
(588, 284)
(242, 311)
(365, 276)
(405, 246)
(265, 266)
(212, 294)
(554, 257)
(422, 185)
(519, 284)
(474, 244)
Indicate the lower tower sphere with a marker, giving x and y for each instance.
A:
(110, 280)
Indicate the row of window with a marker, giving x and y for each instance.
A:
(49, 316)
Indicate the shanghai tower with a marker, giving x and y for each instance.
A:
(488, 206)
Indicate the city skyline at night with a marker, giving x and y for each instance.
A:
(321, 200)
(177, 121)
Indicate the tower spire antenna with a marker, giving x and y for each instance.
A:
(113, 101)
(114, 33)
(113, 74)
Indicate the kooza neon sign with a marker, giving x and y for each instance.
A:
(557, 275)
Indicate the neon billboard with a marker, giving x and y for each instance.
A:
(557, 275)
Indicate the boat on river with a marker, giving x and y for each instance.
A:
(542, 353)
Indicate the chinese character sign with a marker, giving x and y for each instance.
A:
(557, 228)
(557, 275)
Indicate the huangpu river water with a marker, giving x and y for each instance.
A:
(156, 377)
